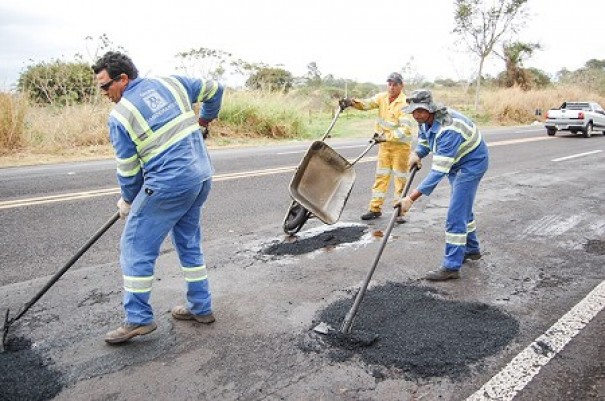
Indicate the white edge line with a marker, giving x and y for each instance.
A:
(111, 191)
(576, 155)
(522, 369)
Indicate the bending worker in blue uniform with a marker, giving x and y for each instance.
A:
(164, 174)
(460, 153)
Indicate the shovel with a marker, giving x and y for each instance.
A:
(8, 322)
(345, 327)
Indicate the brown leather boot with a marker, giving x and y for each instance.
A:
(128, 331)
(182, 313)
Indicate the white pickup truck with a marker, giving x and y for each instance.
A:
(584, 117)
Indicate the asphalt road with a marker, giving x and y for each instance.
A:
(540, 218)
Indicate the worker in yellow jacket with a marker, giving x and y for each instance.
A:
(396, 128)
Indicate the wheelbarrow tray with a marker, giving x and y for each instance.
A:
(323, 182)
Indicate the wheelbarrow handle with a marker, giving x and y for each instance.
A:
(338, 111)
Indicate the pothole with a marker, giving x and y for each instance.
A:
(595, 246)
(326, 239)
(421, 333)
(27, 375)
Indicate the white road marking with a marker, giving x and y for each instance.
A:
(526, 365)
(576, 156)
(550, 226)
(113, 191)
(522, 140)
(221, 177)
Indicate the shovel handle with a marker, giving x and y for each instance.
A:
(345, 327)
(66, 267)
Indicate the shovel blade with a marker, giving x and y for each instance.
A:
(323, 328)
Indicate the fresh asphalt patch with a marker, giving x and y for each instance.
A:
(596, 247)
(293, 246)
(421, 333)
(27, 375)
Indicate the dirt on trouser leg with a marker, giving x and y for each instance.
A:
(420, 333)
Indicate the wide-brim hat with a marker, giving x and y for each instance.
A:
(421, 99)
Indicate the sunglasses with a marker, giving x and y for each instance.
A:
(105, 87)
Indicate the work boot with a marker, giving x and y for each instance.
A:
(182, 313)
(442, 275)
(370, 215)
(472, 256)
(127, 331)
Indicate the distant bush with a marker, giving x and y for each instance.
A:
(58, 83)
(12, 121)
(264, 114)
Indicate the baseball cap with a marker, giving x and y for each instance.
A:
(395, 77)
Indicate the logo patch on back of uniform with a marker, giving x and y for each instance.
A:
(154, 100)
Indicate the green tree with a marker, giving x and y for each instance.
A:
(270, 79)
(204, 62)
(313, 76)
(513, 55)
(58, 82)
(590, 77)
(482, 26)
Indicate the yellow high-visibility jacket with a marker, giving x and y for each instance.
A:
(392, 122)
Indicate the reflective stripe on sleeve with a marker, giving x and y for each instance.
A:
(208, 90)
(196, 273)
(137, 284)
(443, 164)
(128, 167)
(455, 239)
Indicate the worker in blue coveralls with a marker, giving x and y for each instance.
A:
(164, 174)
(460, 153)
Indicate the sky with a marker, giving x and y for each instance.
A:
(363, 41)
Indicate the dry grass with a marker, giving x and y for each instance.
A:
(33, 134)
(13, 109)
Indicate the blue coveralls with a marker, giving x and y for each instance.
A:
(164, 171)
(460, 153)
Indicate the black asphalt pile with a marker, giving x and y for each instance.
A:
(326, 239)
(596, 247)
(421, 334)
(25, 374)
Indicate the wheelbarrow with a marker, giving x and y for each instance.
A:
(322, 183)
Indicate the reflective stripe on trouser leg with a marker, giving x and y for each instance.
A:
(472, 242)
(187, 239)
(392, 160)
(464, 188)
(149, 222)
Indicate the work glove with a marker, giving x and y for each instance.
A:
(204, 127)
(404, 205)
(345, 102)
(379, 137)
(414, 160)
(124, 208)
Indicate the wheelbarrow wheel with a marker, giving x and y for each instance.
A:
(296, 218)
